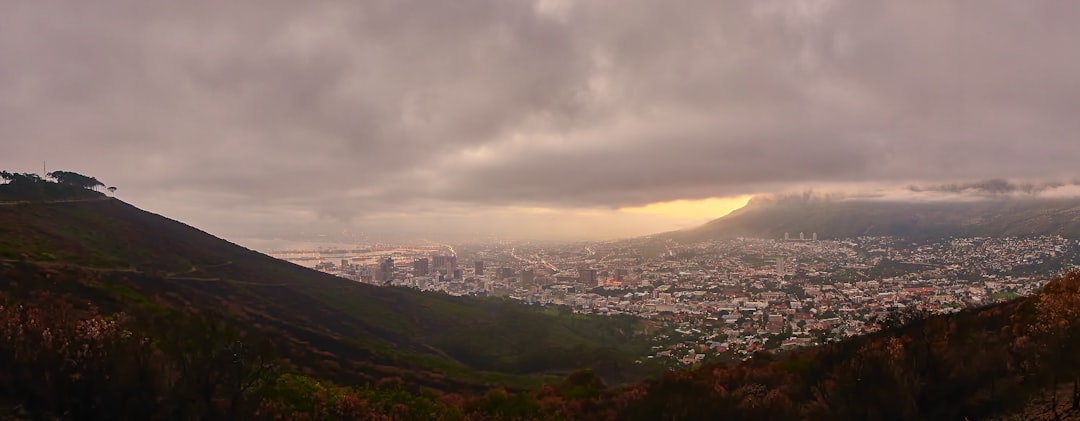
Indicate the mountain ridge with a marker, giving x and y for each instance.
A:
(834, 218)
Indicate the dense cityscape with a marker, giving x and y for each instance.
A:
(723, 300)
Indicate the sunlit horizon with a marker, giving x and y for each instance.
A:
(713, 207)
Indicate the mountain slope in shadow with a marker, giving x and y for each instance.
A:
(126, 259)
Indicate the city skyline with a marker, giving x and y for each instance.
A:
(730, 297)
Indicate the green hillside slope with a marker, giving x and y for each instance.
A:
(124, 258)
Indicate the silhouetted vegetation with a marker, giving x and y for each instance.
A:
(76, 180)
(32, 187)
(62, 358)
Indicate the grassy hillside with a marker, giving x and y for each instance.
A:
(123, 258)
(851, 218)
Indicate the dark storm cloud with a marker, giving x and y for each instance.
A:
(796, 92)
(332, 111)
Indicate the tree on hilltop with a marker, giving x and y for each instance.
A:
(19, 178)
(57, 185)
(76, 179)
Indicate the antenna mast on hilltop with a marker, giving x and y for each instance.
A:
(43, 173)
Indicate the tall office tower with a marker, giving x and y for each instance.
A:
(781, 266)
(527, 275)
(505, 272)
(815, 236)
(444, 263)
(801, 236)
(438, 263)
(420, 267)
(386, 270)
(478, 268)
(588, 277)
(787, 236)
(620, 274)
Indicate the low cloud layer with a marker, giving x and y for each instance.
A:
(996, 187)
(276, 115)
(993, 189)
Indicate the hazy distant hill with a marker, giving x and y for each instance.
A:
(771, 218)
(124, 258)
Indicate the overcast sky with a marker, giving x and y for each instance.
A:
(528, 118)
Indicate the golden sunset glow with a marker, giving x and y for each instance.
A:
(713, 207)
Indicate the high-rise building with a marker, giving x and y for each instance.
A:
(386, 270)
(438, 263)
(815, 236)
(588, 277)
(620, 274)
(478, 268)
(527, 275)
(444, 263)
(420, 267)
